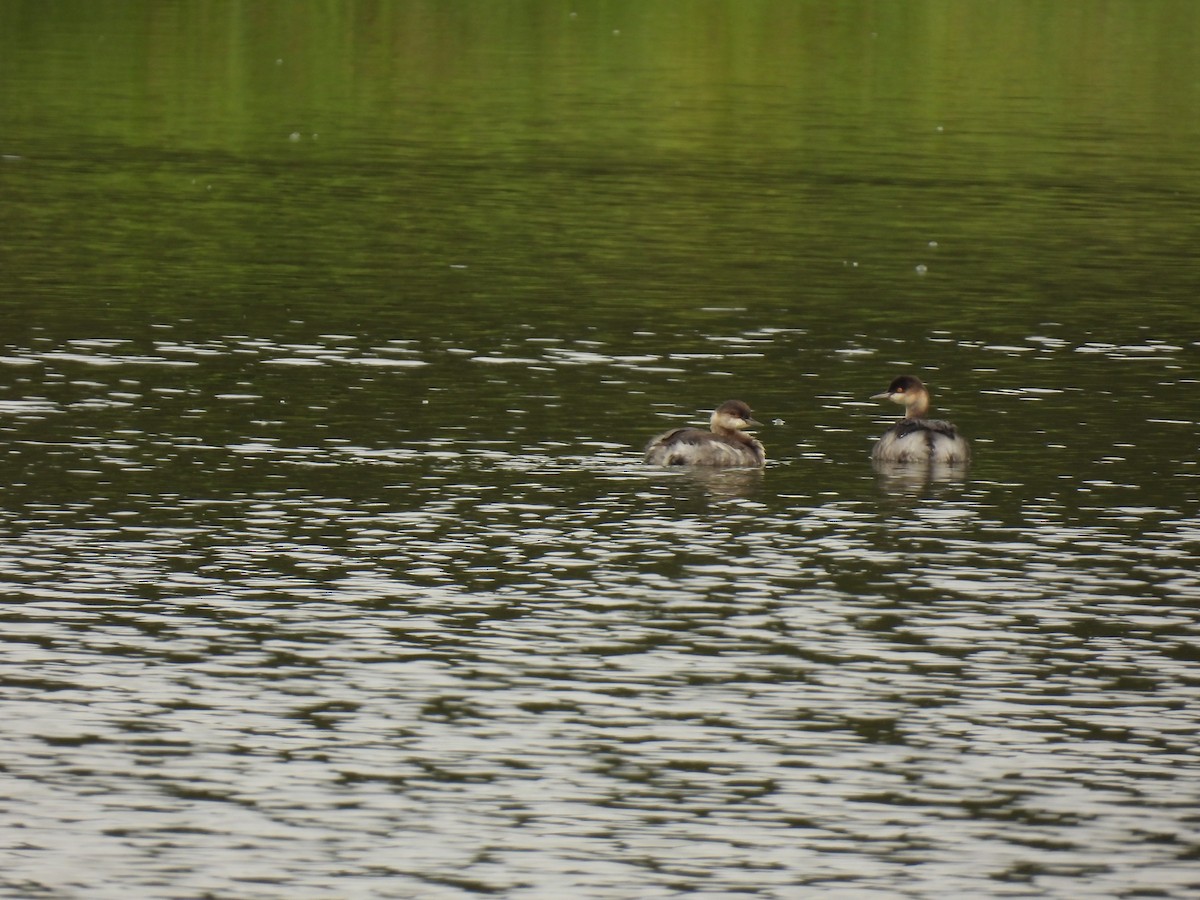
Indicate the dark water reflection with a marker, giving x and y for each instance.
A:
(329, 565)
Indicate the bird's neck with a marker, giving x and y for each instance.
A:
(918, 408)
(721, 426)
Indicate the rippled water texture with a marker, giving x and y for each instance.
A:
(328, 563)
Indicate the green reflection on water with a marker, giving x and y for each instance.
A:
(618, 166)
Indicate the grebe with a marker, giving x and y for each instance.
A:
(726, 445)
(915, 438)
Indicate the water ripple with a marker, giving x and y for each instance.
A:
(525, 656)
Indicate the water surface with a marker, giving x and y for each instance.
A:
(332, 335)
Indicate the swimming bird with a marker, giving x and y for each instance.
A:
(726, 445)
(915, 438)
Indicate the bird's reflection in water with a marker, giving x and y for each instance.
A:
(916, 479)
(722, 484)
